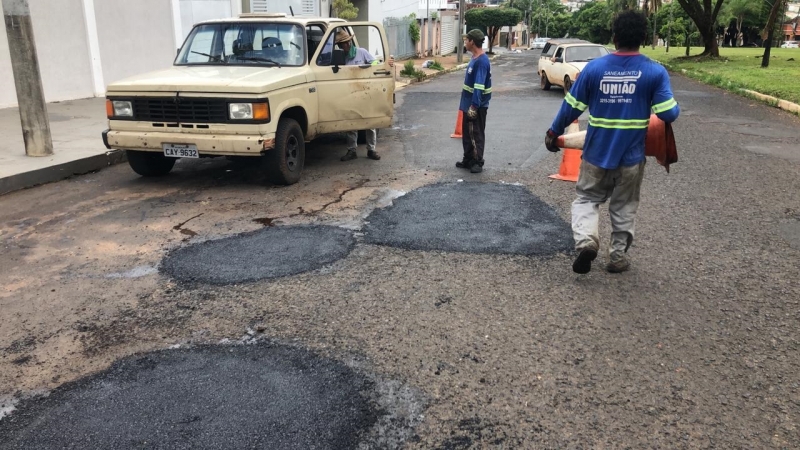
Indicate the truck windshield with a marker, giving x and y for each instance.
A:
(585, 53)
(258, 44)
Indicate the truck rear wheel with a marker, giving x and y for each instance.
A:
(149, 164)
(544, 82)
(284, 164)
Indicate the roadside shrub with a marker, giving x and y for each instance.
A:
(436, 65)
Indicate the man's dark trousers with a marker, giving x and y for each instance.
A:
(473, 136)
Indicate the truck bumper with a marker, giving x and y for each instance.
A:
(207, 144)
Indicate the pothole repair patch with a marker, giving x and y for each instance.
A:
(212, 397)
(470, 218)
(267, 253)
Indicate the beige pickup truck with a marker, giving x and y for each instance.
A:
(260, 85)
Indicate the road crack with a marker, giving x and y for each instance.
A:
(270, 221)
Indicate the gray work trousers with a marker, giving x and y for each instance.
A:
(352, 139)
(596, 185)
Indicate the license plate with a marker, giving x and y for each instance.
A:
(180, 150)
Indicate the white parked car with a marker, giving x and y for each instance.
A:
(539, 42)
(790, 44)
(562, 60)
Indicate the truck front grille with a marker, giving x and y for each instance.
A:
(178, 109)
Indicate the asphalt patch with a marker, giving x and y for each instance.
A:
(208, 397)
(263, 254)
(471, 218)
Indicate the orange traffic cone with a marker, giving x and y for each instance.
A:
(571, 160)
(457, 133)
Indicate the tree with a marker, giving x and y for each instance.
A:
(593, 22)
(738, 10)
(543, 12)
(704, 15)
(673, 23)
(343, 9)
(622, 5)
(492, 19)
(769, 30)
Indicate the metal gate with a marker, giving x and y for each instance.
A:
(400, 43)
(448, 31)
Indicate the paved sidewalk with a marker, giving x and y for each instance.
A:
(77, 145)
(449, 63)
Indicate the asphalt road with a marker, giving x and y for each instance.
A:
(695, 347)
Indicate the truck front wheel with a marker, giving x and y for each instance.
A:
(284, 164)
(149, 164)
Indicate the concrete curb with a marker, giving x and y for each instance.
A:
(773, 101)
(782, 104)
(61, 171)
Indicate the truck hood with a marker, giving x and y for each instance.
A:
(217, 79)
(579, 65)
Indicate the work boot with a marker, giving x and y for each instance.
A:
(618, 262)
(464, 164)
(372, 154)
(583, 263)
(351, 154)
(476, 168)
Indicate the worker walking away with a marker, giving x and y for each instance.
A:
(620, 90)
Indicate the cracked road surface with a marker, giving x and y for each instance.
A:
(695, 347)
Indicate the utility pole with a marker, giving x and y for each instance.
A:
(461, 22)
(28, 81)
(538, 18)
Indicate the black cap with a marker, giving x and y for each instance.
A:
(475, 35)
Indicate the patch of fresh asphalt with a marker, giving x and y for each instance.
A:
(470, 218)
(260, 395)
(271, 252)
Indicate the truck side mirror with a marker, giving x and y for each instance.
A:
(338, 59)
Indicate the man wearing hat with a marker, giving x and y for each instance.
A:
(475, 102)
(356, 57)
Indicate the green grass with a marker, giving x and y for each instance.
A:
(738, 68)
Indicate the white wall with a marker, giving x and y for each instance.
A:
(394, 8)
(63, 51)
(194, 11)
(8, 94)
(135, 36)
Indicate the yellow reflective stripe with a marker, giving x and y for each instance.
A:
(480, 86)
(487, 91)
(572, 101)
(624, 124)
(665, 106)
(468, 89)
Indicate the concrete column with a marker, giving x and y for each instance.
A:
(94, 47)
(27, 79)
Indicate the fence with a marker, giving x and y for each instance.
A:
(400, 43)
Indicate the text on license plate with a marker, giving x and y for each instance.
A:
(180, 150)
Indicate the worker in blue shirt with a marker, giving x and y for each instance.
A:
(620, 90)
(475, 98)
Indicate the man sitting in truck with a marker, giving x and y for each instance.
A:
(355, 57)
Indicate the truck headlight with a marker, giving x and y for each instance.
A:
(248, 111)
(119, 108)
